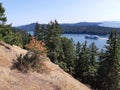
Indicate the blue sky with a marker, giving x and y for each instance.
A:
(20, 12)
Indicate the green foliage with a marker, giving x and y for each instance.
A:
(94, 30)
(53, 41)
(101, 74)
(3, 19)
(78, 50)
(4, 29)
(81, 67)
(69, 54)
(77, 61)
(92, 65)
(23, 36)
(39, 32)
(63, 65)
(60, 50)
(85, 64)
(108, 72)
(8, 34)
(30, 62)
(79, 29)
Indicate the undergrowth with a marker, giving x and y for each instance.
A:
(30, 62)
(33, 59)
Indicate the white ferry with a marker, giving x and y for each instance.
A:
(92, 37)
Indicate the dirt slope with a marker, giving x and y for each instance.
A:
(52, 78)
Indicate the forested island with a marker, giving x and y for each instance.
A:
(94, 30)
(82, 28)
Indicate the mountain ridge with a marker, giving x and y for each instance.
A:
(115, 24)
(99, 28)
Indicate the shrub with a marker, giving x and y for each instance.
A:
(36, 46)
(31, 61)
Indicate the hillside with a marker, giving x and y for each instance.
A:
(52, 78)
(99, 28)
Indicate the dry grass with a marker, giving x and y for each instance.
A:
(52, 78)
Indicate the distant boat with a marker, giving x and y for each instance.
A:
(92, 37)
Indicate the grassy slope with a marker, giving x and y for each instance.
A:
(52, 78)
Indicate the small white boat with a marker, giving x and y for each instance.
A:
(92, 37)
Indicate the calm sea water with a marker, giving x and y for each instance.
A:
(100, 43)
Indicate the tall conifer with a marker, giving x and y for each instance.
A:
(92, 65)
(53, 41)
(3, 19)
(108, 72)
(69, 54)
(38, 33)
(81, 67)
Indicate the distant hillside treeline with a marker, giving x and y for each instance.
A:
(98, 30)
(83, 28)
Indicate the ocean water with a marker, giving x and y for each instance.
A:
(100, 43)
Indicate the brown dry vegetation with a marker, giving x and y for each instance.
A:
(52, 77)
(35, 45)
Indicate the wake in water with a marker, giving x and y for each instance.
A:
(104, 38)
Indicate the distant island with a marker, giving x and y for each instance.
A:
(94, 28)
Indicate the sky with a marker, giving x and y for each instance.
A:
(21, 12)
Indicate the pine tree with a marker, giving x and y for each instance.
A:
(108, 72)
(78, 50)
(53, 41)
(6, 33)
(69, 54)
(3, 19)
(92, 65)
(38, 32)
(82, 64)
(77, 63)
(43, 32)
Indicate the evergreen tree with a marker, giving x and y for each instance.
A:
(82, 64)
(108, 72)
(43, 32)
(77, 63)
(92, 65)
(6, 34)
(22, 35)
(78, 50)
(60, 49)
(69, 54)
(38, 32)
(3, 19)
(53, 41)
